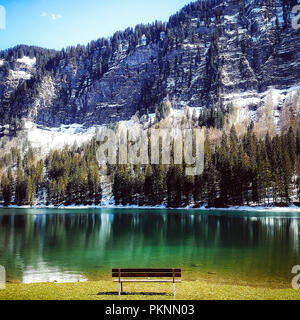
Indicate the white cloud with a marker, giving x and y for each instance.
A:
(55, 16)
(52, 16)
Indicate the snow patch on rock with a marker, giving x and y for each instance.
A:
(56, 138)
(20, 74)
(30, 62)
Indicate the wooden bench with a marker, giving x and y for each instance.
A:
(145, 275)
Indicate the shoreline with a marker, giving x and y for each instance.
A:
(291, 208)
(107, 290)
(214, 278)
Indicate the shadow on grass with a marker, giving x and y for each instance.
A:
(133, 294)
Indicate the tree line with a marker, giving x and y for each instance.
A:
(240, 170)
(68, 176)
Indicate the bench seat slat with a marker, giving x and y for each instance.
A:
(146, 275)
(161, 270)
(136, 280)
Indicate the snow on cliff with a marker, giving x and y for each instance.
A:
(57, 138)
(30, 62)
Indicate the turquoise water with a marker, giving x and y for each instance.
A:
(45, 245)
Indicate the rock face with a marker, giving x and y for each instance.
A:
(210, 54)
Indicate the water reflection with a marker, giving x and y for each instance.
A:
(72, 246)
(43, 273)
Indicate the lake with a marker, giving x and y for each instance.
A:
(46, 245)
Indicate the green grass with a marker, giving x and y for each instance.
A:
(188, 290)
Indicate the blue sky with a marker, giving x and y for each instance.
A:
(58, 23)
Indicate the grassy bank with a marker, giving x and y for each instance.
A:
(188, 290)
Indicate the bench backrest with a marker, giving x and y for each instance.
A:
(147, 273)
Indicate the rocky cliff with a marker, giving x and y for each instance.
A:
(210, 54)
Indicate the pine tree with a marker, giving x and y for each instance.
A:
(116, 187)
(163, 111)
(209, 174)
(94, 187)
(61, 190)
(224, 168)
(20, 191)
(244, 171)
(174, 186)
(234, 168)
(159, 184)
(6, 190)
(292, 147)
(287, 175)
(83, 183)
(276, 168)
(198, 189)
(149, 186)
(30, 190)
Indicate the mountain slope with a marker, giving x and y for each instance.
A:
(212, 54)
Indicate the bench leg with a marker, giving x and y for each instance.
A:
(120, 288)
(174, 290)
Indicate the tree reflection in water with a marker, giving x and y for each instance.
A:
(72, 245)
